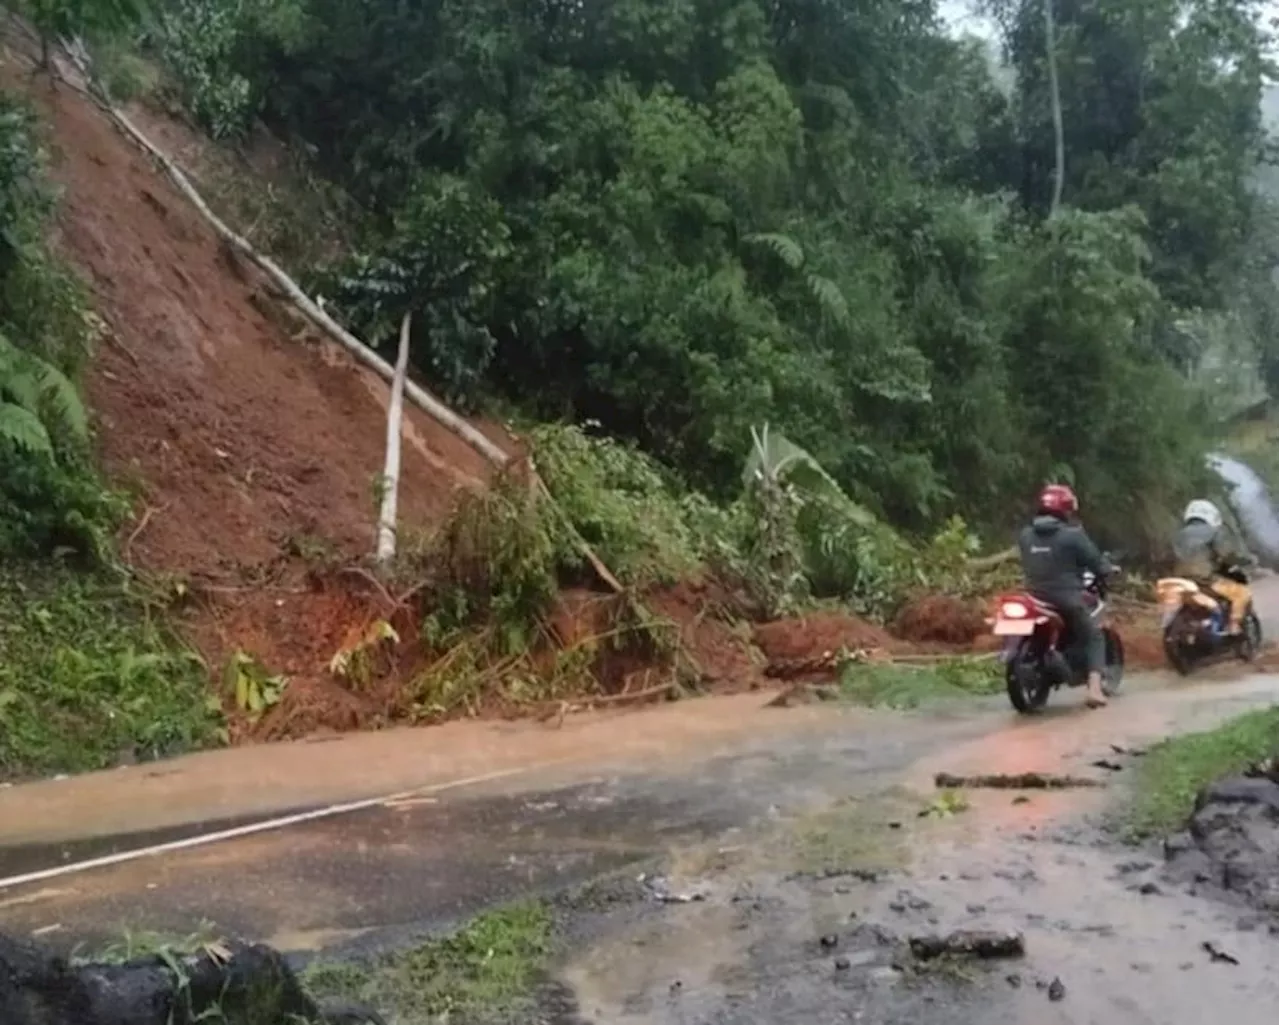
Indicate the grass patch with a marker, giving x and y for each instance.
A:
(88, 678)
(486, 968)
(902, 687)
(134, 945)
(1175, 770)
(853, 834)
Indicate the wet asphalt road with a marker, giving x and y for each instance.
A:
(418, 864)
(775, 836)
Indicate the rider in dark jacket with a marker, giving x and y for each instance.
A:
(1055, 554)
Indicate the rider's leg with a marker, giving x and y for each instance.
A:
(1086, 633)
(1236, 596)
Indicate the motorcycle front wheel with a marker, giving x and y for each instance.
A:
(1024, 679)
(1250, 636)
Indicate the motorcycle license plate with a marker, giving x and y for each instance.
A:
(1014, 628)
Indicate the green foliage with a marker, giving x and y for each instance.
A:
(484, 968)
(254, 688)
(198, 41)
(68, 19)
(211, 46)
(495, 562)
(36, 402)
(1175, 770)
(440, 263)
(685, 219)
(49, 496)
(899, 686)
(86, 678)
(640, 522)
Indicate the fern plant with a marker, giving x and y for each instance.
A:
(826, 293)
(38, 404)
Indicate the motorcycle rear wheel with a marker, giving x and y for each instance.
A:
(1028, 691)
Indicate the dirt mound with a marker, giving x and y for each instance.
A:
(940, 618)
(296, 632)
(1139, 629)
(242, 438)
(809, 636)
(722, 653)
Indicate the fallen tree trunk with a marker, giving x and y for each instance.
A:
(968, 943)
(992, 561)
(428, 403)
(1014, 781)
(231, 983)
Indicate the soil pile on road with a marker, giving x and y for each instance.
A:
(818, 633)
(941, 618)
(1231, 846)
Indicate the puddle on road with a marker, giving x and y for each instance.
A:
(1128, 949)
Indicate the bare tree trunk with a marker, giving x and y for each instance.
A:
(1055, 103)
(391, 472)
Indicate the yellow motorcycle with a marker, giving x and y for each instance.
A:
(1194, 623)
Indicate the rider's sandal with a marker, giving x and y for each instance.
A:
(1095, 702)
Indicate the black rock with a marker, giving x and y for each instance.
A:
(240, 983)
(1057, 990)
(830, 940)
(841, 964)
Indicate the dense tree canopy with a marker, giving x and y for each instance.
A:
(681, 218)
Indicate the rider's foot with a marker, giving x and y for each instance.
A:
(1097, 697)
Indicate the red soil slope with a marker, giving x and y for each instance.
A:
(242, 437)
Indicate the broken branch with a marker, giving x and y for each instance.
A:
(968, 943)
(1014, 781)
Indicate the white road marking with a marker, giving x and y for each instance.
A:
(120, 857)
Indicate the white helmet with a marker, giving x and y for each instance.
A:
(1201, 509)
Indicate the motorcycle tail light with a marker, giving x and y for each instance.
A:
(1014, 610)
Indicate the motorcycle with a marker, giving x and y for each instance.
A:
(1039, 653)
(1194, 624)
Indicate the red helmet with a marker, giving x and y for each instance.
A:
(1057, 500)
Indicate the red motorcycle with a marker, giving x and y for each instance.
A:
(1039, 652)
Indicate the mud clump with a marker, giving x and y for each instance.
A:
(794, 640)
(1231, 846)
(940, 619)
(701, 610)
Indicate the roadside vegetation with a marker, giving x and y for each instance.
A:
(88, 676)
(482, 972)
(1175, 770)
(908, 686)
